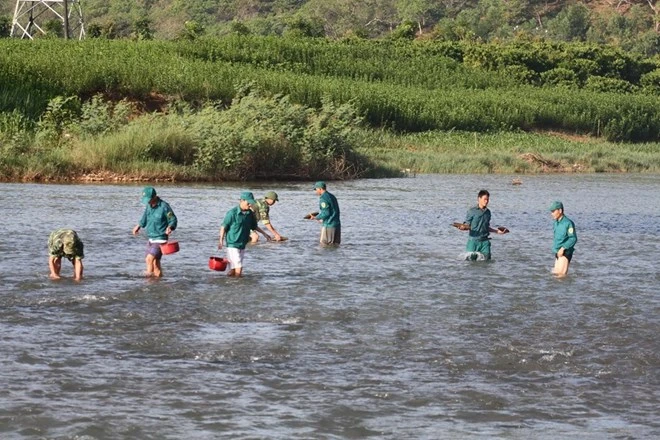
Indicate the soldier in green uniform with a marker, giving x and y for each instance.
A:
(565, 239)
(159, 221)
(328, 215)
(65, 243)
(261, 210)
(477, 222)
(236, 227)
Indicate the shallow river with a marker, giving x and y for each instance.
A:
(391, 335)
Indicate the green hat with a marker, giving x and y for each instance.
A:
(148, 193)
(319, 184)
(248, 197)
(272, 195)
(556, 205)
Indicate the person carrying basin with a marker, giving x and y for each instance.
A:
(235, 230)
(158, 221)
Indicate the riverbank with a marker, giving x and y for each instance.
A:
(509, 153)
(387, 155)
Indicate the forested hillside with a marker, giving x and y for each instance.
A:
(630, 24)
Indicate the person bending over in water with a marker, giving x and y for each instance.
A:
(65, 243)
(261, 209)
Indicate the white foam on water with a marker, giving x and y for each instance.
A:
(473, 256)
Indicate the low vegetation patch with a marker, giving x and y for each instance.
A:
(258, 136)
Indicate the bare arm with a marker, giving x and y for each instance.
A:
(270, 227)
(54, 264)
(77, 269)
(262, 232)
(222, 237)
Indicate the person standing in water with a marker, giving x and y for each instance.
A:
(565, 239)
(328, 215)
(65, 243)
(477, 222)
(159, 221)
(235, 230)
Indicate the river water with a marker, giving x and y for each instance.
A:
(391, 335)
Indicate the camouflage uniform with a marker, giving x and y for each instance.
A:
(261, 211)
(65, 243)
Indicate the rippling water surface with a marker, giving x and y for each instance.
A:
(390, 335)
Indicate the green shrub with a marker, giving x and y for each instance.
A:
(633, 124)
(521, 74)
(269, 136)
(60, 113)
(100, 116)
(583, 68)
(404, 31)
(651, 81)
(608, 85)
(560, 77)
(301, 27)
(16, 133)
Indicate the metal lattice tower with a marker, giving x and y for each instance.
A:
(31, 15)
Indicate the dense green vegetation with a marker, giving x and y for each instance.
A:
(245, 107)
(405, 86)
(631, 25)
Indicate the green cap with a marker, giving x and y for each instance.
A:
(148, 193)
(248, 197)
(272, 195)
(556, 205)
(319, 184)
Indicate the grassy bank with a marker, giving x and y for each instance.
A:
(387, 155)
(508, 153)
(245, 108)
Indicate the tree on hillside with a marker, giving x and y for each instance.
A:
(342, 17)
(417, 11)
(652, 5)
(571, 24)
(5, 26)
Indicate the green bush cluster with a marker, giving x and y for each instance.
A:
(99, 115)
(262, 136)
(258, 136)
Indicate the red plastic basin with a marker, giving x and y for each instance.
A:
(218, 263)
(170, 247)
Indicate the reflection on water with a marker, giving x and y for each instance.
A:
(391, 335)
